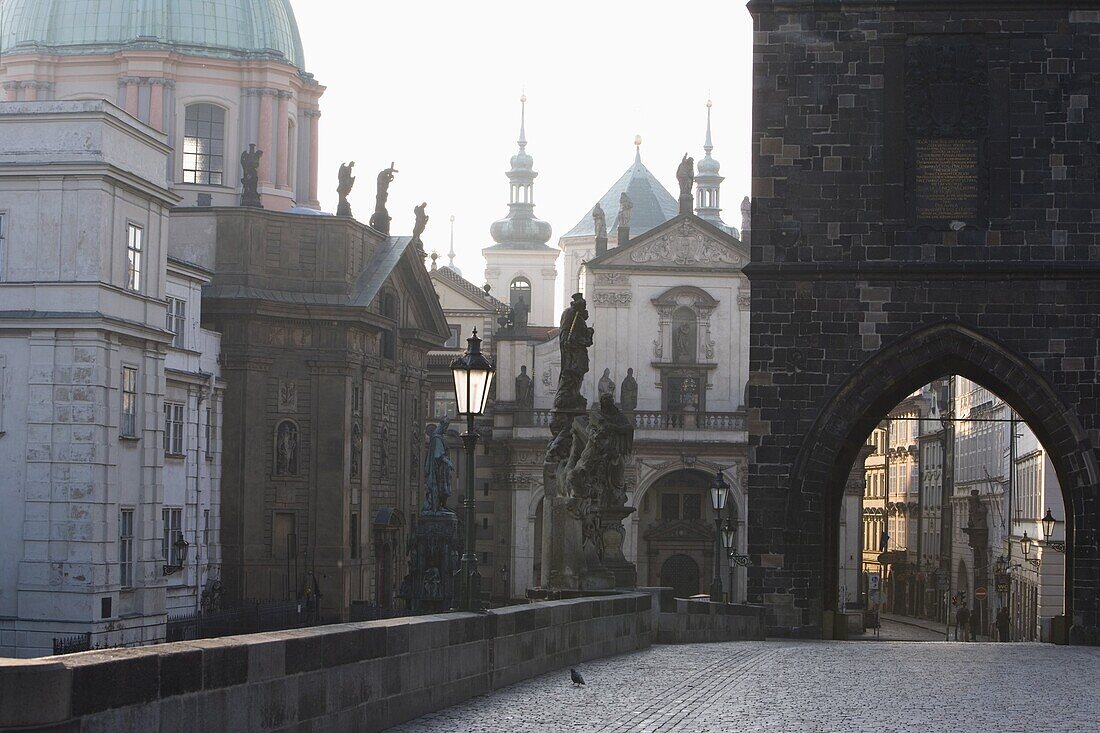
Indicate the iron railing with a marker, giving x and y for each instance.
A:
(72, 644)
(249, 618)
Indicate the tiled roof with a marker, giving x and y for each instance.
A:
(468, 287)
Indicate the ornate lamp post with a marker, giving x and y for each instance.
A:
(719, 491)
(1026, 544)
(473, 375)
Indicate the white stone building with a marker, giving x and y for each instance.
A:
(192, 445)
(83, 346)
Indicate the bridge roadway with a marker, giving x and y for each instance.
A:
(802, 687)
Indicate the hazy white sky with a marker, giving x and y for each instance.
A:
(434, 86)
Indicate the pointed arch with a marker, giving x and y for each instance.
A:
(856, 407)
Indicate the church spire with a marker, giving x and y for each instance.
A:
(708, 182)
(520, 229)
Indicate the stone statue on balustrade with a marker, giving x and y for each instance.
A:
(574, 338)
(521, 312)
(250, 177)
(525, 392)
(380, 220)
(685, 176)
(628, 392)
(606, 385)
(346, 182)
(599, 222)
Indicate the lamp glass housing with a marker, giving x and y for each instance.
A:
(719, 490)
(473, 375)
(729, 534)
(1048, 524)
(1025, 545)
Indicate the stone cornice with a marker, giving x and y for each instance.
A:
(846, 6)
(761, 271)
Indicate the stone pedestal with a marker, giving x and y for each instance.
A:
(613, 535)
(434, 552)
(562, 557)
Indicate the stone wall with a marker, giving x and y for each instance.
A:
(875, 269)
(361, 676)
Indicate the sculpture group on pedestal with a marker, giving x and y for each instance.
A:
(585, 473)
(435, 544)
(250, 177)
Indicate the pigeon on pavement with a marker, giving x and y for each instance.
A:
(576, 677)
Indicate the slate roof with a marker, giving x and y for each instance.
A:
(653, 204)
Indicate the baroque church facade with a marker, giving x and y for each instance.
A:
(200, 402)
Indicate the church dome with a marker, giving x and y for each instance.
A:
(232, 29)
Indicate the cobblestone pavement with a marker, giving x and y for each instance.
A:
(802, 687)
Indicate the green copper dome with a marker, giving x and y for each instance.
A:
(234, 29)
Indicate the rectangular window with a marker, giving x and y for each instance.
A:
(173, 533)
(126, 548)
(175, 320)
(353, 536)
(128, 423)
(206, 526)
(670, 506)
(134, 246)
(487, 559)
(204, 144)
(283, 536)
(3, 241)
(209, 434)
(444, 403)
(692, 506)
(452, 342)
(173, 428)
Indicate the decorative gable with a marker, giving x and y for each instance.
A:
(686, 242)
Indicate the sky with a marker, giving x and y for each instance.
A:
(434, 86)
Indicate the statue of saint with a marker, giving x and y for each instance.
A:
(250, 177)
(421, 222)
(682, 350)
(978, 519)
(574, 338)
(685, 176)
(599, 222)
(437, 469)
(525, 394)
(347, 181)
(380, 221)
(520, 313)
(625, 207)
(286, 449)
(606, 385)
(628, 393)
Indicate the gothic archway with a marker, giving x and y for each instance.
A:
(842, 427)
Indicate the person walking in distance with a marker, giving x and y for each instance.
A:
(962, 621)
(975, 624)
(1003, 626)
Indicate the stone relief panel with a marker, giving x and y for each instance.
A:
(288, 396)
(612, 299)
(686, 247)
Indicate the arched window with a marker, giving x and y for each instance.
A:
(204, 144)
(685, 329)
(521, 288)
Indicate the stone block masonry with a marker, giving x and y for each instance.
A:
(925, 185)
(346, 677)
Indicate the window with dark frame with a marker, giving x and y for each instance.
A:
(692, 507)
(670, 506)
(210, 434)
(175, 320)
(452, 342)
(204, 144)
(172, 520)
(126, 547)
(3, 241)
(128, 423)
(354, 535)
(134, 252)
(173, 428)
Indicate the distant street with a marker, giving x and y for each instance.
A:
(802, 687)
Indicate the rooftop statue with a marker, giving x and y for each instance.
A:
(250, 177)
(381, 218)
(347, 181)
(685, 176)
(599, 221)
(421, 223)
(625, 206)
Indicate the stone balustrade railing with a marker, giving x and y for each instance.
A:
(652, 420)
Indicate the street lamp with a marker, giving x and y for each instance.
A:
(1025, 545)
(719, 490)
(181, 546)
(473, 375)
(729, 536)
(1048, 525)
